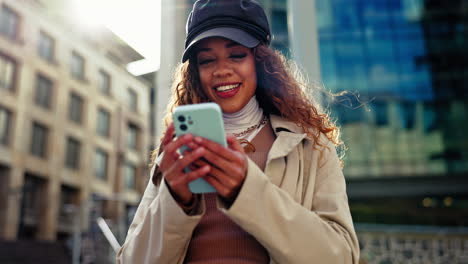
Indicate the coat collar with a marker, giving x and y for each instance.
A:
(288, 136)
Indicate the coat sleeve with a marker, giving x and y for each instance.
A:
(290, 232)
(160, 231)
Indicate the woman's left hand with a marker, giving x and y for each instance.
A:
(228, 166)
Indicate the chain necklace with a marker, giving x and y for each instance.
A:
(252, 128)
(247, 145)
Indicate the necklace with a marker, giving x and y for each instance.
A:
(252, 128)
(246, 144)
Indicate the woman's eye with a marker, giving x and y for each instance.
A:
(238, 56)
(204, 61)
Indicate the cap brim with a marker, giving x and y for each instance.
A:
(233, 34)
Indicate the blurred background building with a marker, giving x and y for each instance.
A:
(75, 126)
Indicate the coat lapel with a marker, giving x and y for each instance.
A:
(288, 136)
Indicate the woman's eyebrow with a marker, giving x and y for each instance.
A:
(232, 44)
(203, 50)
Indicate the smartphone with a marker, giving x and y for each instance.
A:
(204, 120)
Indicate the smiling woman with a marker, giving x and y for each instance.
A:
(227, 73)
(280, 194)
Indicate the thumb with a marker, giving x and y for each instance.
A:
(234, 144)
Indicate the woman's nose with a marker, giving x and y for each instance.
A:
(223, 69)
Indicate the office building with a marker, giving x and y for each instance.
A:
(74, 126)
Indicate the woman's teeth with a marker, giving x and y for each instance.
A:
(226, 87)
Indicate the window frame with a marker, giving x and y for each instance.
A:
(133, 99)
(128, 165)
(71, 112)
(48, 97)
(15, 64)
(72, 161)
(104, 75)
(15, 35)
(133, 127)
(5, 138)
(43, 152)
(105, 154)
(44, 35)
(80, 76)
(107, 133)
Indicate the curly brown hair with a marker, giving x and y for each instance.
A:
(280, 91)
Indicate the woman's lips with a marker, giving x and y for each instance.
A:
(227, 91)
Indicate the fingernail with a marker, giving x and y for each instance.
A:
(200, 150)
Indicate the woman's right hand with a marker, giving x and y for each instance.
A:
(172, 165)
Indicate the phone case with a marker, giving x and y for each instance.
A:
(204, 120)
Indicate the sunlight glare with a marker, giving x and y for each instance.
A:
(136, 22)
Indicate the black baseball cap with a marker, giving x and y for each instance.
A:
(242, 21)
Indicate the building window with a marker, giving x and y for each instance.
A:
(9, 23)
(72, 159)
(381, 113)
(43, 91)
(103, 123)
(132, 136)
(39, 140)
(75, 111)
(104, 82)
(7, 73)
(32, 206)
(132, 99)
(101, 163)
(69, 198)
(130, 175)
(5, 123)
(407, 115)
(46, 47)
(77, 66)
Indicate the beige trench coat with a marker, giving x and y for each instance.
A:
(297, 218)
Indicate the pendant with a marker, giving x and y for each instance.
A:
(248, 147)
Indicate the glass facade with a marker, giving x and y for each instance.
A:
(405, 68)
(406, 71)
(277, 12)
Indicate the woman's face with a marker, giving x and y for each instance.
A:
(227, 73)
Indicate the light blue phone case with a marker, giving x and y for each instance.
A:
(204, 120)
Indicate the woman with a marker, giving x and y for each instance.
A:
(280, 192)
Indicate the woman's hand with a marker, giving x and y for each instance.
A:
(172, 165)
(228, 166)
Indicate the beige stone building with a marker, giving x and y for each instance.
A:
(74, 126)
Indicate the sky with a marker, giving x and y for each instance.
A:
(137, 22)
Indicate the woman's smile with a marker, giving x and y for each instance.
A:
(227, 73)
(227, 90)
